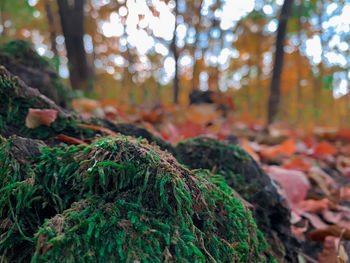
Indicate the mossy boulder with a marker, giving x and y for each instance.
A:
(20, 58)
(119, 200)
(244, 175)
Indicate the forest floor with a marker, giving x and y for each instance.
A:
(312, 167)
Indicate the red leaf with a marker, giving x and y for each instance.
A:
(297, 164)
(37, 117)
(344, 134)
(323, 149)
(69, 139)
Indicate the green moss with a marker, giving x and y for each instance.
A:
(208, 153)
(14, 109)
(242, 174)
(121, 200)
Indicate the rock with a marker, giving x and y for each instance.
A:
(20, 58)
(119, 200)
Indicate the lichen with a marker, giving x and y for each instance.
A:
(121, 200)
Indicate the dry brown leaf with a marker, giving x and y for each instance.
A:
(314, 206)
(320, 234)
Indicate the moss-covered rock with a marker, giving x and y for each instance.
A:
(244, 175)
(119, 200)
(20, 58)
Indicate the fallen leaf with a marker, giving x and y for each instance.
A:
(203, 114)
(344, 134)
(97, 128)
(299, 231)
(295, 183)
(37, 117)
(315, 220)
(345, 193)
(331, 249)
(286, 148)
(323, 149)
(155, 115)
(314, 206)
(245, 144)
(339, 217)
(343, 165)
(69, 139)
(320, 234)
(297, 164)
(85, 105)
(326, 184)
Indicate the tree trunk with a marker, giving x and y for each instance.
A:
(299, 63)
(72, 21)
(176, 58)
(275, 91)
(196, 69)
(52, 28)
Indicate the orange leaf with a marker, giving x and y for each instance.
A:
(37, 117)
(297, 164)
(203, 114)
(270, 153)
(97, 128)
(85, 105)
(287, 147)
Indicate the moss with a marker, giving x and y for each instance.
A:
(241, 173)
(207, 153)
(120, 200)
(14, 109)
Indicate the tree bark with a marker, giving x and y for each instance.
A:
(176, 58)
(72, 21)
(275, 90)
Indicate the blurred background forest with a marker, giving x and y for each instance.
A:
(154, 52)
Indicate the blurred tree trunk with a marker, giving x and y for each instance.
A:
(275, 89)
(176, 58)
(196, 69)
(2, 21)
(52, 27)
(299, 62)
(72, 21)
